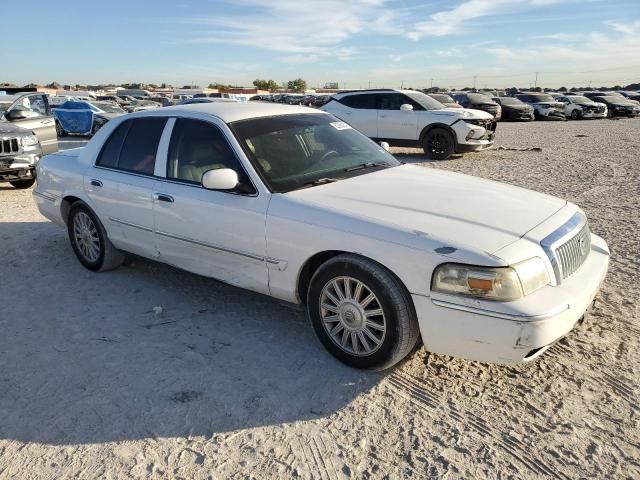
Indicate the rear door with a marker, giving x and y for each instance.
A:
(121, 184)
(396, 124)
(359, 111)
(39, 121)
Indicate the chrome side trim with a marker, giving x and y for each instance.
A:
(280, 264)
(211, 245)
(505, 316)
(46, 196)
(128, 224)
(560, 236)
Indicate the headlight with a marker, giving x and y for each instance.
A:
(29, 140)
(501, 283)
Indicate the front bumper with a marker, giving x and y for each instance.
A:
(511, 332)
(18, 167)
(474, 135)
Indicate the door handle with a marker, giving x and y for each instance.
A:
(163, 197)
(96, 183)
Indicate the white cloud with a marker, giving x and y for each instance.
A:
(307, 30)
(453, 21)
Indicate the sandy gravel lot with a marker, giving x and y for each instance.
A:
(224, 383)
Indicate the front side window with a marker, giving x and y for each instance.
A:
(197, 147)
(392, 101)
(295, 151)
(138, 153)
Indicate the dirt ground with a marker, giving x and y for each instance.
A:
(96, 382)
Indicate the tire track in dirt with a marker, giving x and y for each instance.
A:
(317, 457)
(409, 388)
(623, 389)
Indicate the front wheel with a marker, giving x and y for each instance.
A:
(438, 144)
(89, 240)
(22, 184)
(576, 115)
(61, 132)
(362, 313)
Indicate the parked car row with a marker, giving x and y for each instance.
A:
(310, 100)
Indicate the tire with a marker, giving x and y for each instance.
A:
(438, 144)
(576, 115)
(61, 132)
(391, 310)
(22, 184)
(609, 113)
(89, 240)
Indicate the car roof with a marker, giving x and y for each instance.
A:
(233, 111)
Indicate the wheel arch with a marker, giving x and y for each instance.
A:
(431, 126)
(313, 263)
(66, 204)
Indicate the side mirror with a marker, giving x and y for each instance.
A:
(385, 145)
(405, 107)
(16, 114)
(220, 179)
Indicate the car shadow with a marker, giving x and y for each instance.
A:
(420, 157)
(148, 351)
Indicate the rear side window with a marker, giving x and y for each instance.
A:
(111, 150)
(364, 101)
(140, 146)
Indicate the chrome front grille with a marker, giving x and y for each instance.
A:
(568, 247)
(574, 252)
(9, 146)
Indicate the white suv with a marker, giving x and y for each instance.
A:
(407, 118)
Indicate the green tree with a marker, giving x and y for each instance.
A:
(219, 86)
(562, 89)
(297, 85)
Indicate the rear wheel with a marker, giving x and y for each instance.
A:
(362, 313)
(438, 144)
(22, 184)
(89, 240)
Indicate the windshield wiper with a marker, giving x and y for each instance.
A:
(319, 181)
(367, 165)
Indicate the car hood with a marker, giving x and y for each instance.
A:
(517, 107)
(6, 128)
(463, 113)
(470, 211)
(549, 104)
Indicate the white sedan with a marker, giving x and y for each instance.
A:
(293, 203)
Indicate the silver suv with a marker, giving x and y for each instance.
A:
(408, 118)
(27, 132)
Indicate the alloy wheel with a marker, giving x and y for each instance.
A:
(352, 316)
(86, 237)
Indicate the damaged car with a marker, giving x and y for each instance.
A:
(545, 107)
(27, 132)
(296, 204)
(84, 118)
(478, 101)
(408, 118)
(578, 107)
(619, 106)
(514, 110)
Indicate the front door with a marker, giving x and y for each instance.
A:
(213, 233)
(122, 182)
(393, 123)
(39, 120)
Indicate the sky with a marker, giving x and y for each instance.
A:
(356, 43)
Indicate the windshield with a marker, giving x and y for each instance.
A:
(580, 100)
(442, 98)
(425, 100)
(509, 101)
(541, 98)
(108, 107)
(479, 98)
(293, 151)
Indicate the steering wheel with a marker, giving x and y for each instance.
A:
(328, 154)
